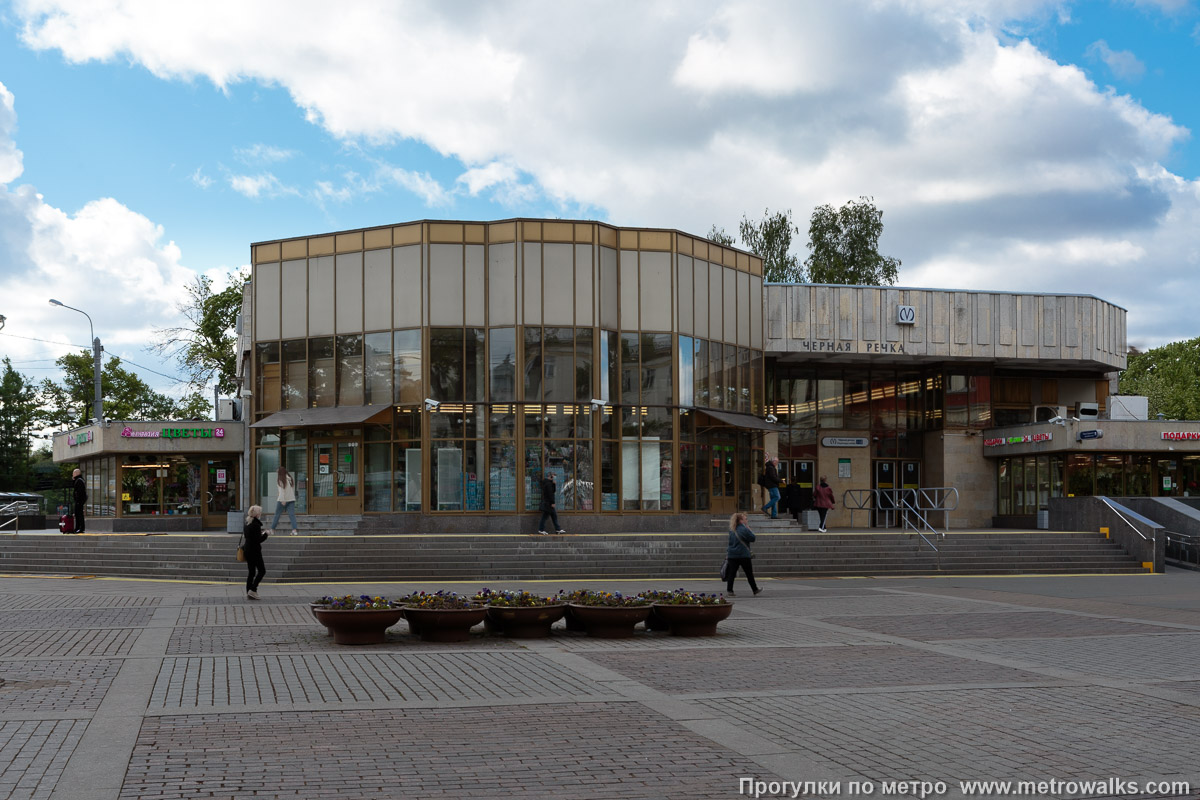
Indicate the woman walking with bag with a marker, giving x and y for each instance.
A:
(254, 536)
(738, 553)
(823, 501)
(286, 500)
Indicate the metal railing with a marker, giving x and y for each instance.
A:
(1183, 548)
(911, 508)
(16, 510)
(1124, 519)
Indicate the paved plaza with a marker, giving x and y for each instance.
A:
(144, 689)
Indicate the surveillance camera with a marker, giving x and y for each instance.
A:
(771, 418)
(598, 404)
(431, 404)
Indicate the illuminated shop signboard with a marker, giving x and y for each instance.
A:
(174, 433)
(1026, 439)
(82, 437)
(1181, 436)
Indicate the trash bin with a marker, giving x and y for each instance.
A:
(811, 519)
(235, 521)
(1043, 520)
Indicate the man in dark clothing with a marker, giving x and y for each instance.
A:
(771, 484)
(549, 490)
(80, 489)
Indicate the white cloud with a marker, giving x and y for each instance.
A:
(10, 157)
(262, 184)
(996, 166)
(200, 179)
(1122, 63)
(257, 154)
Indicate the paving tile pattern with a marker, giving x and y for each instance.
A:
(249, 614)
(59, 600)
(41, 619)
(877, 604)
(65, 643)
(1028, 733)
(33, 755)
(733, 632)
(1025, 625)
(309, 637)
(54, 685)
(851, 667)
(606, 750)
(1171, 656)
(384, 677)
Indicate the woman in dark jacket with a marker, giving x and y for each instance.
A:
(823, 501)
(738, 553)
(254, 536)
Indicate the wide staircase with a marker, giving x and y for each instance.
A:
(779, 553)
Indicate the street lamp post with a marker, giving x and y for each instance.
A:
(97, 402)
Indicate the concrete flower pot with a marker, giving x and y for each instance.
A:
(693, 620)
(358, 626)
(524, 622)
(444, 624)
(609, 622)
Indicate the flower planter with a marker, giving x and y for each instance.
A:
(313, 608)
(655, 622)
(443, 624)
(358, 626)
(573, 623)
(524, 622)
(609, 622)
(693, 620)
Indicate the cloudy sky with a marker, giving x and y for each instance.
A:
(1013, 145)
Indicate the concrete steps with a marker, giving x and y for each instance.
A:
(522, 557)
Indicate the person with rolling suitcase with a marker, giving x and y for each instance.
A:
(79, 488)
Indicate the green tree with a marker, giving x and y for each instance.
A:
(771, 240)
(844, 246)
(18, 413)
(126, 396)
(719, 236)
(206, 348)
(1169, 376)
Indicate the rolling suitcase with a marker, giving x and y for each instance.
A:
(66, 523)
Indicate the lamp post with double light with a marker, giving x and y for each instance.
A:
(97, 402)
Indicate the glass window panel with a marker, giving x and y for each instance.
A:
(475, 365)
(631, 420)
(560, 463)
(1004, 488)
(979, 401)
(502, 364)
(408, 477)
(857, 403)
(534, 416)
(446, 364)
(296, 459)
(666, 497)
(502, 422)
(1018, 482)
(558, 365)
(731, 378)
(1110, 475)
(406, 366)
(583, 365)
(658, 422)
(1030, 485)
(583, 492)
(502, 476)
(378, 478)
(909, 398)
(757, 367)
(716, 375)
(612, 387)
(630, 367)
(533, 365)
(377, 368)
(957, 398)
(406, 423)
(1080, 474)
(475, 425)
(583, 422)
(609, 500)
(631, 474)
(560, 421)
(829, 403)
(266, 359)
(533, 476)
(350, 370)
(656, 369)
(1139, 482)
(320, 372)
(1043, 471)
(700, 366)
(446, 425)
(884, 400)
(447, 481)
(474, 455)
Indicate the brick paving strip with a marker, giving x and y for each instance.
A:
(195, 692)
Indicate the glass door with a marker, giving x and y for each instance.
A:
(724, 483)
(220, 491)
(336, 480)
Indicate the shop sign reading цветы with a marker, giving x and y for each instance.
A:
(174, 433)
(82, 437)
(1027, 438)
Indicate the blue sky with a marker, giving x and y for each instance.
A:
(1013, 145)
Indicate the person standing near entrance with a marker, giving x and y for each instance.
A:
(770, 482)
(549, 491)
(286, 500)
(823, 501)
(79, 488)
(738, 553)
(254, 537)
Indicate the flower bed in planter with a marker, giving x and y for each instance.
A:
(610, 615)
(688, 614)
(356, 620)
(519, 614)
(443, 616)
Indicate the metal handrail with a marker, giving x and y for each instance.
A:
(1117, 511)
(927, 499)
(15, 508)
